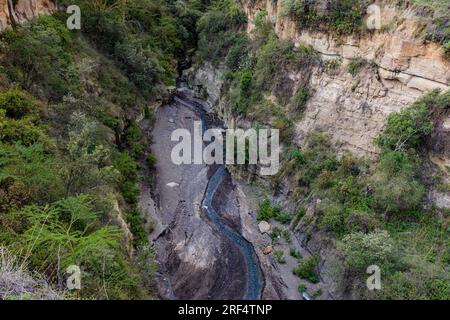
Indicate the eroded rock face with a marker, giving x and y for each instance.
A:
(353, 110)
(20, 11)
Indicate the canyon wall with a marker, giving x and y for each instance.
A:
(353, 109)
(19, 11)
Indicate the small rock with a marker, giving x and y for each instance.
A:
(172, 184)
(171, 120)
(264, 227)
(268, 250)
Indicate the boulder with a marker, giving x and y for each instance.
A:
(172, 184)
(264, 227)
(267, 250)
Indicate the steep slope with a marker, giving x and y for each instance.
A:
(339, 93)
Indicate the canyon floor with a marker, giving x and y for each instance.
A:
(196, 261)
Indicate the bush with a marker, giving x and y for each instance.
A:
(133, 217)
(130, 191)
(281, 216)
(126, 165)
(307, 269)
(28, 174)
(301, 98)
(265, 211)
(140, 63)
(301, 288)
(216, 30)
(294, 253)
(396, 188)
(237, 54)
(68, 232)
(340, 16)
(151, 160)
(276, 234)
(127, 184)
(287, 235)
(356, 65)
(361, 250)
(408, 128)
(40, 55)
(17, 104)
(345, 16)
(279, 256)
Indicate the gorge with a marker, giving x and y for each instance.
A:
(87, 175)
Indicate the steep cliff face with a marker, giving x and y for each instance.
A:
(399, 68)
(353, 109)
(13, 12)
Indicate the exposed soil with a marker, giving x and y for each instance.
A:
(196, 262)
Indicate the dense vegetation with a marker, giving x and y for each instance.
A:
(70, 150)
(338, 16)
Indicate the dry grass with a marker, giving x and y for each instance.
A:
(16, 283)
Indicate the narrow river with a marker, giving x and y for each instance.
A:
(254, 273)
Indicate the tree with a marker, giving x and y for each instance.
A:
(86, 161)
(396, 187)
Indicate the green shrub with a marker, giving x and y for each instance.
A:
(340, 16)
(276, 234)
(279, 256)
(39, 55)
(317, 293)
(133, 137)
(128, 169)
(265, 211)
(216, 30)
(408, 128)
(331, 66)
(27, 174)
(68, 232)
(130, 191)
(286, 235)
(151, 160)
(301, 98)
(281, 216)
(396, 187)
(126, 165)
(355, 66)
(300, 214)
(149, 115)
(302, 288)
(307, 269)
(294, 253)
(333, 218)
(17, 103)
(23, 131)
(345, 16)
(133, 217)
(361, 250)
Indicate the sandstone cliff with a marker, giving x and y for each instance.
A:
(19, 11)
(354, 110)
